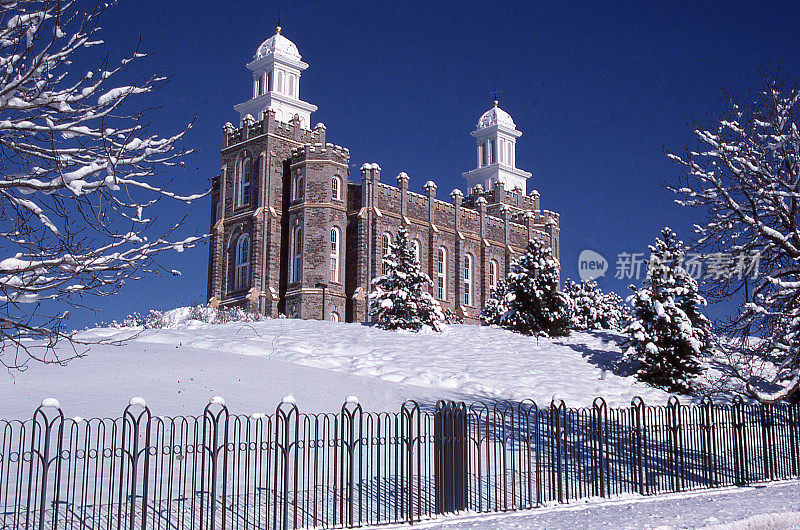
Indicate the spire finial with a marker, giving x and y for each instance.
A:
(278, 23)
(495, 96)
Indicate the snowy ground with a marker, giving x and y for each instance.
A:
(770, 506)
(253, 365)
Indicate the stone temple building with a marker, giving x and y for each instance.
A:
(294, 233)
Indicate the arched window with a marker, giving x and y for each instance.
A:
(336, 187)
(241, 278)
(467, 279)
(492, 275)
(441, 274)
(280, 81)
(334, 317)
(386, 243)
(415, 246)
(291, 85)
(335, 246)
(269, 82)
(245, 180)
(493, 152)
(297, 254)
(484, 154)
(299, 186)
(508, 154)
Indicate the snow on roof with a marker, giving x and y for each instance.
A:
(372, 165)
(278, 45)
(496, 116)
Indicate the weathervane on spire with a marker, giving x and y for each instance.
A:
(495, 96)
(278, 22)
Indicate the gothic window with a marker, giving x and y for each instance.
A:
(415, 248)
(336, 186)
(299, 186)
(492, 274)
(297, 254)
(245, 180)
(241, 279)
(467, 279)
(335, 252)
(386, 243)
(441, 274)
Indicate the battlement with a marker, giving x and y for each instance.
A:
(320, 151)
(251, 128)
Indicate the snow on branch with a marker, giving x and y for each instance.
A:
(78, 173)
(745, 173)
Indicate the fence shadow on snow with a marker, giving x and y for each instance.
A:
(352, 468)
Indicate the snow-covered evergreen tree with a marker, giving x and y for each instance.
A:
(399, 299)
(669, 333)
(594, 309)
(528, 301)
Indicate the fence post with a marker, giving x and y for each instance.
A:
(131, 424)
(765, 421)
(637, 405)
(739, 442)
(285, 412)
(44, 426)
(408, 411)
(599, 413)
(211, 434)
(350, 412)
(706, 426)
(674, 421)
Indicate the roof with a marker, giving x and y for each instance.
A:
(278, 45)
(496, 116)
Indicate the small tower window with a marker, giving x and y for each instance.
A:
(508, 154)
(244, 189)
(441, 274)
(280, 81)
(297, 254)
(492, 274)
(299, 186)
(493, 153)
(241, 278)
(269, 82)
(484, 155)
(335, 238)
(386, 243)
(291, 85)
(467, 279)
(336, 187)
(415, 246)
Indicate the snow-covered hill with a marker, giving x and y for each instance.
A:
(254, 364)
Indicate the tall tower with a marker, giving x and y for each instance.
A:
(496, 136)
(276, 83)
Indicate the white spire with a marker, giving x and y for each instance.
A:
(276, 82)
(496, 137)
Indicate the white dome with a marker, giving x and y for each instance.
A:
(278, 44)
(496, 116)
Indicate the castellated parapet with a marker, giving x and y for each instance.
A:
(293, 234)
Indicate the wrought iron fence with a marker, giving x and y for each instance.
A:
(354, 468)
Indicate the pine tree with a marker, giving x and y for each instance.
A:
(399, 299)
(668, 333)
(592, 308)
(528, 301)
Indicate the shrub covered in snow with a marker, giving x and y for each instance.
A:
(594, 309)
(175, 317)
(399, 299)
(668, 333)
(528, 300)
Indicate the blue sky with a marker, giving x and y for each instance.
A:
(600, 90)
